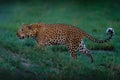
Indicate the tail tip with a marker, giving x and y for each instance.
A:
(110, 31)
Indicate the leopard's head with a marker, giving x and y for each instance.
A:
(27, 31)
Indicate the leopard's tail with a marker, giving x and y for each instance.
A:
(109, 31)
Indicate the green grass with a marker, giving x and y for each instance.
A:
(22, 60)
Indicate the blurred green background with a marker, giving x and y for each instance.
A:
(21, 60)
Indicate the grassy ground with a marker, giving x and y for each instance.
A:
(21, 60)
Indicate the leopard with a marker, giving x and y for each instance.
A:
(61, 34)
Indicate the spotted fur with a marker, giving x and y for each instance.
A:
(60, 34)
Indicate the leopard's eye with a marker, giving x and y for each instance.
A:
(21, 29)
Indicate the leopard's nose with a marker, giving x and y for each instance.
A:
(17, 34)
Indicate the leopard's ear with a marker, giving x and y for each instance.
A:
(41, 24)
(24, 24)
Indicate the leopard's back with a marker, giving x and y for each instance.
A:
(61, 33)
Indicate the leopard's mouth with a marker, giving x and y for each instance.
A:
(20, 37)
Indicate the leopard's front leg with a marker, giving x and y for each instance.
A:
(41, 44)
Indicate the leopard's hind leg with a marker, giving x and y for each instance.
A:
(73, 47)
(83, 49)
(72, 51)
